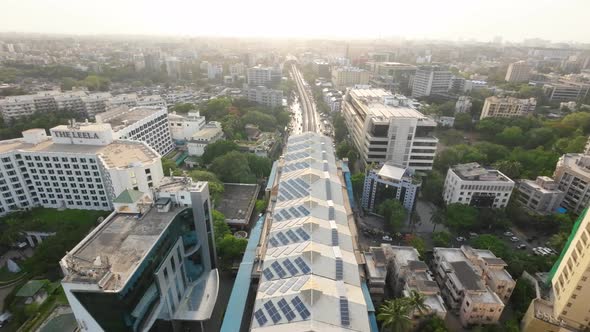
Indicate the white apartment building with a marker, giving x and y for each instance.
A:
(264, 96)
(80, 166)
(152, 101)
(96, 103)
(71, 102)
(518, 72)
(477, 186)
(125, 99)
(333, 99)
(343, 77)
(572, 173)
(474, 283)
(386, 128)
(211, 133)
(173, 67)
(183, 127)
(179, 97)
(541, 196)
(431, 80)
(214, 70)
(145, 124)
(259, 75)
(498, 107)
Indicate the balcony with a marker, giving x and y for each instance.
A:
(199, 299)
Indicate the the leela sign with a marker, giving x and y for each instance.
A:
(76, 134)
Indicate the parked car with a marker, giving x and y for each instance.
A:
(521, 246)
(460, 239)
(387, 238)
(473, 235)
(514, 239)
(5, 318)
(508, 234)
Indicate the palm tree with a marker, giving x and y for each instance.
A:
(416, 302)
(393, 314)
(437, 218)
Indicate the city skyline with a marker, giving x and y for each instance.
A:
(427, 19)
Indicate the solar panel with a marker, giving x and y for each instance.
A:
(275, 286)
(290, 267)
(292, 236)
(328, 190)
(302, 234)
(295, 212)
(267, 274)
(285, 214)
(286, 309)
(300, 307)
(260, 317)
(344, 314)
(300, 283)
(282, 238)
(264, 286)
(277, 217)
(302, 265)
(278, 269)
(273, 242)
(334, 237)
(287, 194)
(288, 285)
(331, 213)
(303, 210)
(302, 183)
(272, 311)
(339, 269)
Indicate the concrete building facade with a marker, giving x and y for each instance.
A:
(389, 182)
(431, 80)
(541, 196)
(210, 133)
(344, 77)
(572, 173)
(497, 107)
(518, 72)
(264, 96)
(183, 127)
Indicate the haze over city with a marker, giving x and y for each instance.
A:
(556, 20)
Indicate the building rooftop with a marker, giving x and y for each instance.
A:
(237, 202)
(208, 132)
(577, 162)
(467, 276)
(475, 172)
(382, 104)
(112, 252)
(392, 172)
(121, 117)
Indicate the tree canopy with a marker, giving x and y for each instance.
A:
(393, 212)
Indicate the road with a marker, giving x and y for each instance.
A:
(309, 113)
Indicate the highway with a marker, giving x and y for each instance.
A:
(309, 114)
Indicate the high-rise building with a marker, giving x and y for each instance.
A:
(173, 67)
(387, 128)
(80, 166)
(389, 182)
(321, 68)
(151, 264)
(259, 75)
(214, 70)
(477, 186)
(566, 90)
(572, 173)
(541, 196)
(565, 306)
(345, 77)
(264, 96)
(431, 80)
(497, 107)
(391, 76)
(309, 261)
(518, 72)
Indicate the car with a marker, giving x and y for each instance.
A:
(521, 246)
(5, 318)
(473, 234)
(508, 234)
(514, 239)
(387, 238)
(460, 239)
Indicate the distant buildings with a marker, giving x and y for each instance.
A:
(173, 67)
(145, 124)
(214, 71)
(386, 128)
(259, 75)
(150, 263)
(264, 96)
(431, 80)
(477, 186)
(152, 101)
(210, 133)
(463, 105)
(400, 270)
(389, 182)
(497, 107)
(572, 173)
(474, 283)
(565, 307)
(566, 90)
(321, 68)
(125, 99)
(391, 76)
(344, 77)
(183, 127)
(518, 72)
(96, 103)
(333, 99)
(541, 195)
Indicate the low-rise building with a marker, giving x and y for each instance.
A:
(264, 96)
(463, 105)
(150, 263)
(344, 77)
(126, 99)
(477, 186)
(152, 101)
(183, 127)
(146, 124)
(565, 90)
(572, 173)
(541, 195)
(71, 102)
(211, 132)
(389, 182)
(264, 145)
(474, 283)
(333, 99)
(96, 103)
(496, 107)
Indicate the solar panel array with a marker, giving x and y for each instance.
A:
(344, 313)
(272, 311)
(260, 317)
(302, 265)
(339, 268)
(285, 215)
(300, 307)
(295, 166)
(278, 269)
(334, 237)
(286, 309)
(292, 189)
(290, 267)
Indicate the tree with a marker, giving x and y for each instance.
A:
(260, 166)
(419, 244)
(216, 108)
(260, 206)
(183, 107)
(217, 149)
(511, 136)
(233, 167)
(441, 239)
(417, 303)
(264, 121)
(492, 243)
(220, 227)
(169, 164)
(340, 130)
(539, 137)
(231, 248)
(433, 323)
(96, 83)
(578, 120)
(522, 295)
(393, 314)
(215, 185)
(432, 188)
(463, 121)
(510, 168)
(461, 217)
(358, 181)
(393, 212)
(558, 240)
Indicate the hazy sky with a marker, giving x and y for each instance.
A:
(557, 20)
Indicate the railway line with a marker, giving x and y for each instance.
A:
(309, 115)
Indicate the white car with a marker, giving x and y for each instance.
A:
(514, 239)
(387, 238)
(508, 234)
(460, 239)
